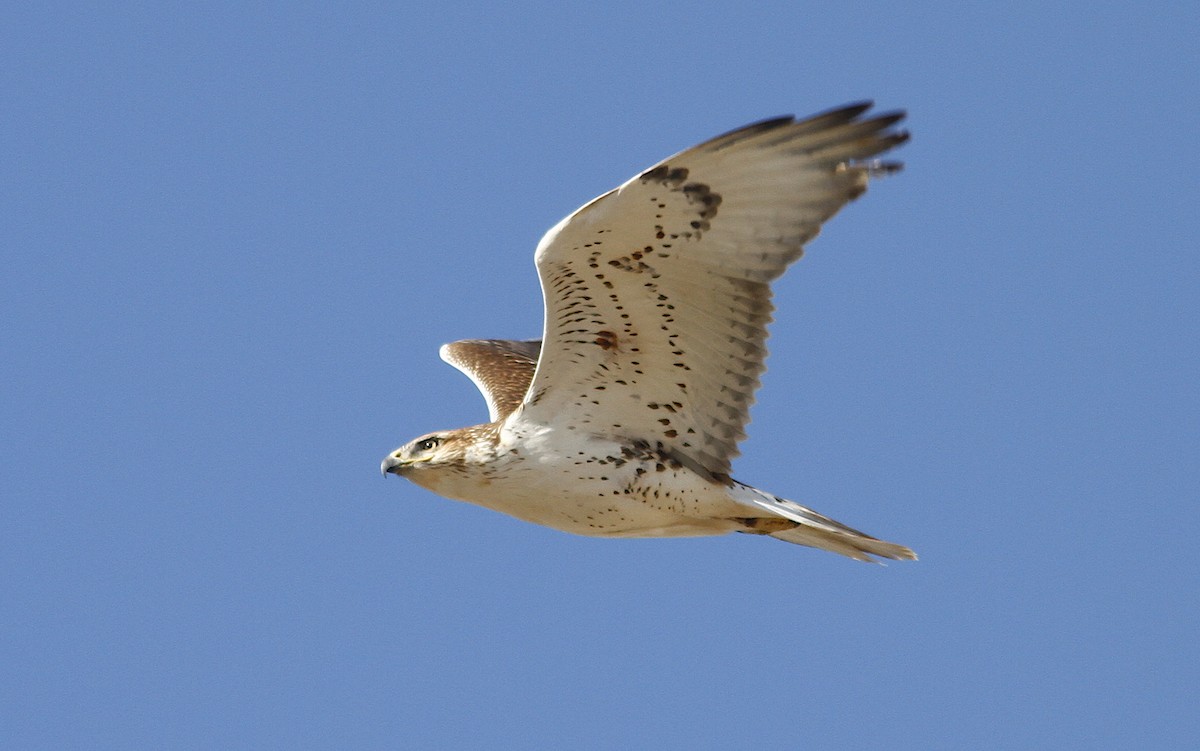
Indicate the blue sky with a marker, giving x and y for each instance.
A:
(234, 236)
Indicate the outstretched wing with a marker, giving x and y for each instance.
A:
(657, 294)
(500, 368)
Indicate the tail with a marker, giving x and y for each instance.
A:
(807, 527)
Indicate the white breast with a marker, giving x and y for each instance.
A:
(594, 486)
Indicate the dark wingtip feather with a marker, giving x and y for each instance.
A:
(748, 131)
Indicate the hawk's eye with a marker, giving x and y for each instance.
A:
(425, 444)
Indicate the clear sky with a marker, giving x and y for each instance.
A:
(234, 235)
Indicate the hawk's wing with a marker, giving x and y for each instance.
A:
(501, 368)
(657, 293)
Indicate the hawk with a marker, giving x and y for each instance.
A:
(623, 419)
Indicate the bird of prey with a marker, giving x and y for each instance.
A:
(622, 420)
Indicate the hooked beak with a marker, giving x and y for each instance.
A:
(395, 465)
(391, 463)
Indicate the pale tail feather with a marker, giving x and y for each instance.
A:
(818, 531)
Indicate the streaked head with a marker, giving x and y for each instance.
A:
(448, 461)
(426, 452)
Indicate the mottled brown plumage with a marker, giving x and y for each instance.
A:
(502, 369)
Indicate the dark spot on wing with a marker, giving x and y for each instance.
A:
(606, 340)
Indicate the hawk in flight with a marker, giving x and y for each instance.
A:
(622, 420)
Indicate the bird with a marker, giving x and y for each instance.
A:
(623, 419)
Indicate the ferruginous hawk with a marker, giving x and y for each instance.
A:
(623, 419)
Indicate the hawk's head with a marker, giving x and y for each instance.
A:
(429, 458)
(427, 451)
